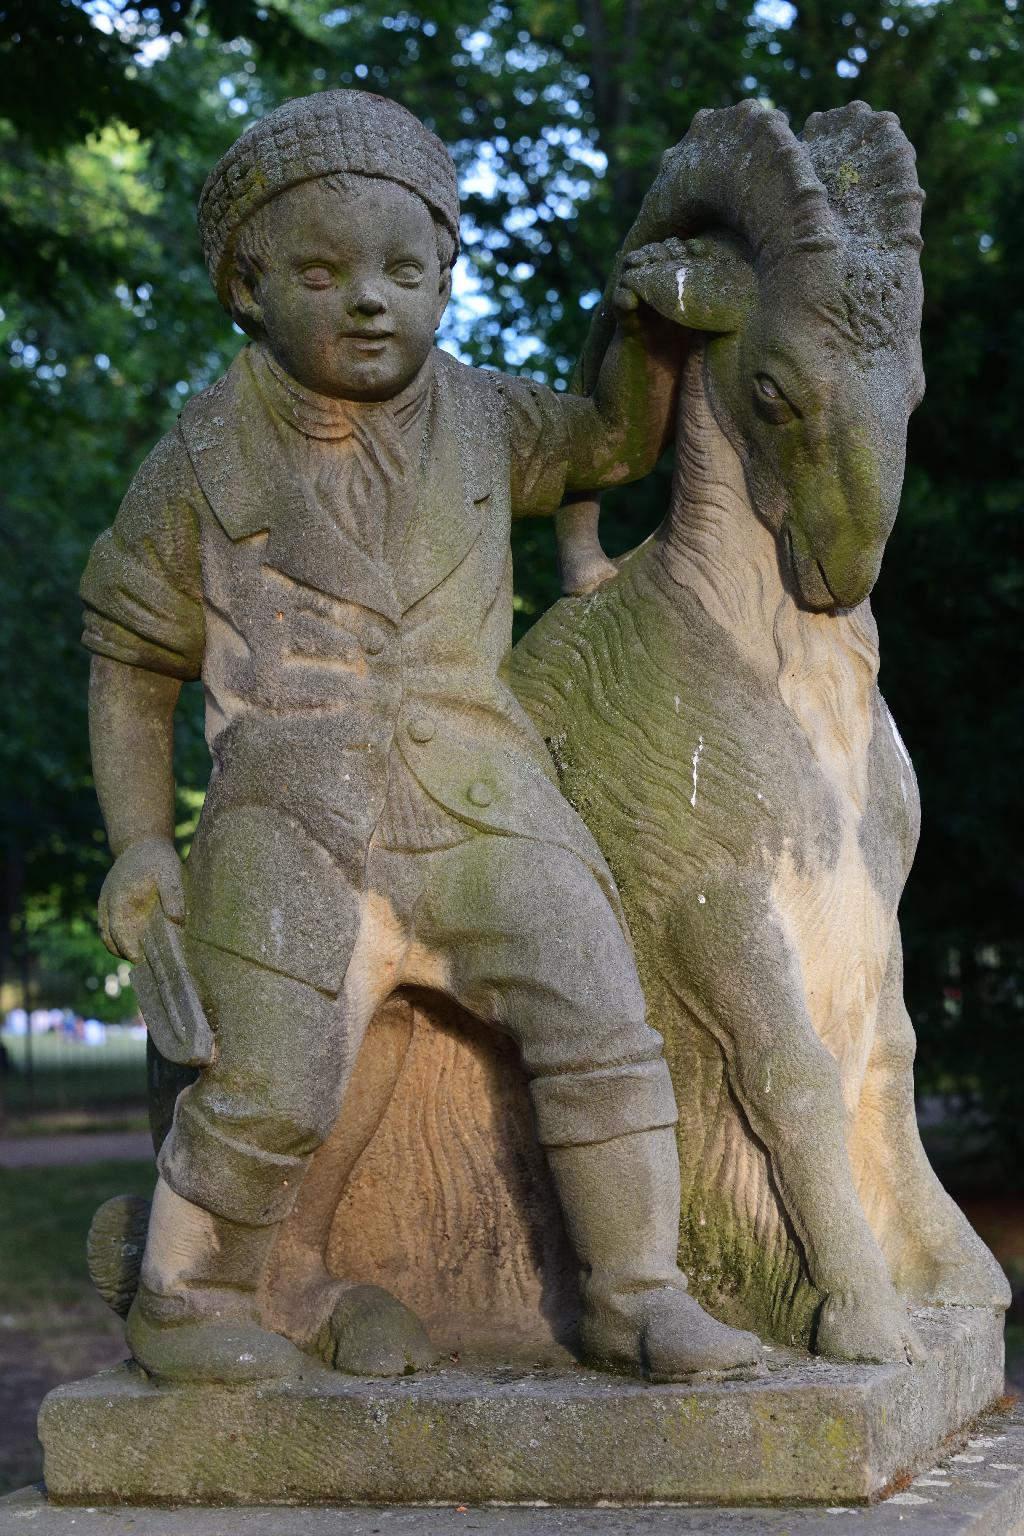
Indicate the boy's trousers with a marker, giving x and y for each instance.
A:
(516, 931)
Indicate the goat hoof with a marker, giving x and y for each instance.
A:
(370, 1333)
(868, 1326)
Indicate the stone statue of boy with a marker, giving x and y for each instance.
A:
(324, 540)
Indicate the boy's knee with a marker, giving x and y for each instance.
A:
(295, 1127)
(596, 1066)
(586, 1016)
(286, 1106)
(580, 942)
(244, 1130)
(243, 1160)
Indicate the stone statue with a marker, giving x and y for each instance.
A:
(714, 715)
(324, 541)
(410, 1109)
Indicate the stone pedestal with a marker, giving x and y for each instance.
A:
(801, 1431)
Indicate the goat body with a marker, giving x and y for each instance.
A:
(732, 754)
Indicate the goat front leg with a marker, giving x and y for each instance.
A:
(933, 1252)
(740, 977)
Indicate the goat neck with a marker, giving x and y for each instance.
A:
(824, 665)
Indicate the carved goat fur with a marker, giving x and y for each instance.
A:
(714, 716)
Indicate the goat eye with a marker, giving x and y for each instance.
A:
(771, 402)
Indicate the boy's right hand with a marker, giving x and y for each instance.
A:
(144, 873)
(653, 274)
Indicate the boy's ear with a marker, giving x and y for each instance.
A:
(245, 305)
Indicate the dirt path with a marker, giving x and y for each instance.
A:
(63, 1151)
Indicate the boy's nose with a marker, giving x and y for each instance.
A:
(366, 299)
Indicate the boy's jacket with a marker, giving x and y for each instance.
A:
(321, 663)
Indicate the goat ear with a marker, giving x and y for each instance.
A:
(706, 283)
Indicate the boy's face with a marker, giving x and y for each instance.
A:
(353, 291)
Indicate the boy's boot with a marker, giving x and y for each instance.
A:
(621, 1204)
(195, 1316)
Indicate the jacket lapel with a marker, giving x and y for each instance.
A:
(456, 484)
(225, 430)
(307, 545)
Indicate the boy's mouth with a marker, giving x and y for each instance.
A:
(367, 342)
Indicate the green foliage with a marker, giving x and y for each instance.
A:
(74, 968)
(556, 112)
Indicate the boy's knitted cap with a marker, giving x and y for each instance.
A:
(322, 135)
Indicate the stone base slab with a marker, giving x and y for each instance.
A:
(978, 1491)
(802, 1431)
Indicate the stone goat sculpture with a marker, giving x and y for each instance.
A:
(714, 716)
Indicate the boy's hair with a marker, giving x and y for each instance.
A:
(251, 252)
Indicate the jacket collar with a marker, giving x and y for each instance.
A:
(236, 444)
(320, 416)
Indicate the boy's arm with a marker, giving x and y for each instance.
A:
(131, 736)
(619, 430)
(617, 427)
(144, 625)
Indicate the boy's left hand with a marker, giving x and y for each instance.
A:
(650, 275)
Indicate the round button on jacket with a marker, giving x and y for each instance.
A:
(421, 728)
(479, 794)
(374, 642)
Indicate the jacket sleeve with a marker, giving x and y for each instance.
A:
(142, 586)
(538, 446)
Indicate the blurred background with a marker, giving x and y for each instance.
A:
(556, 112)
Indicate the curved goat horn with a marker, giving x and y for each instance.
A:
(739, 168)
(742, 168)
(869, 170)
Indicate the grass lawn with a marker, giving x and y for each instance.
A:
(53, 1326)
(66, 1074)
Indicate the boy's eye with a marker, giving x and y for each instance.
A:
(407, 272)
(317, 276)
